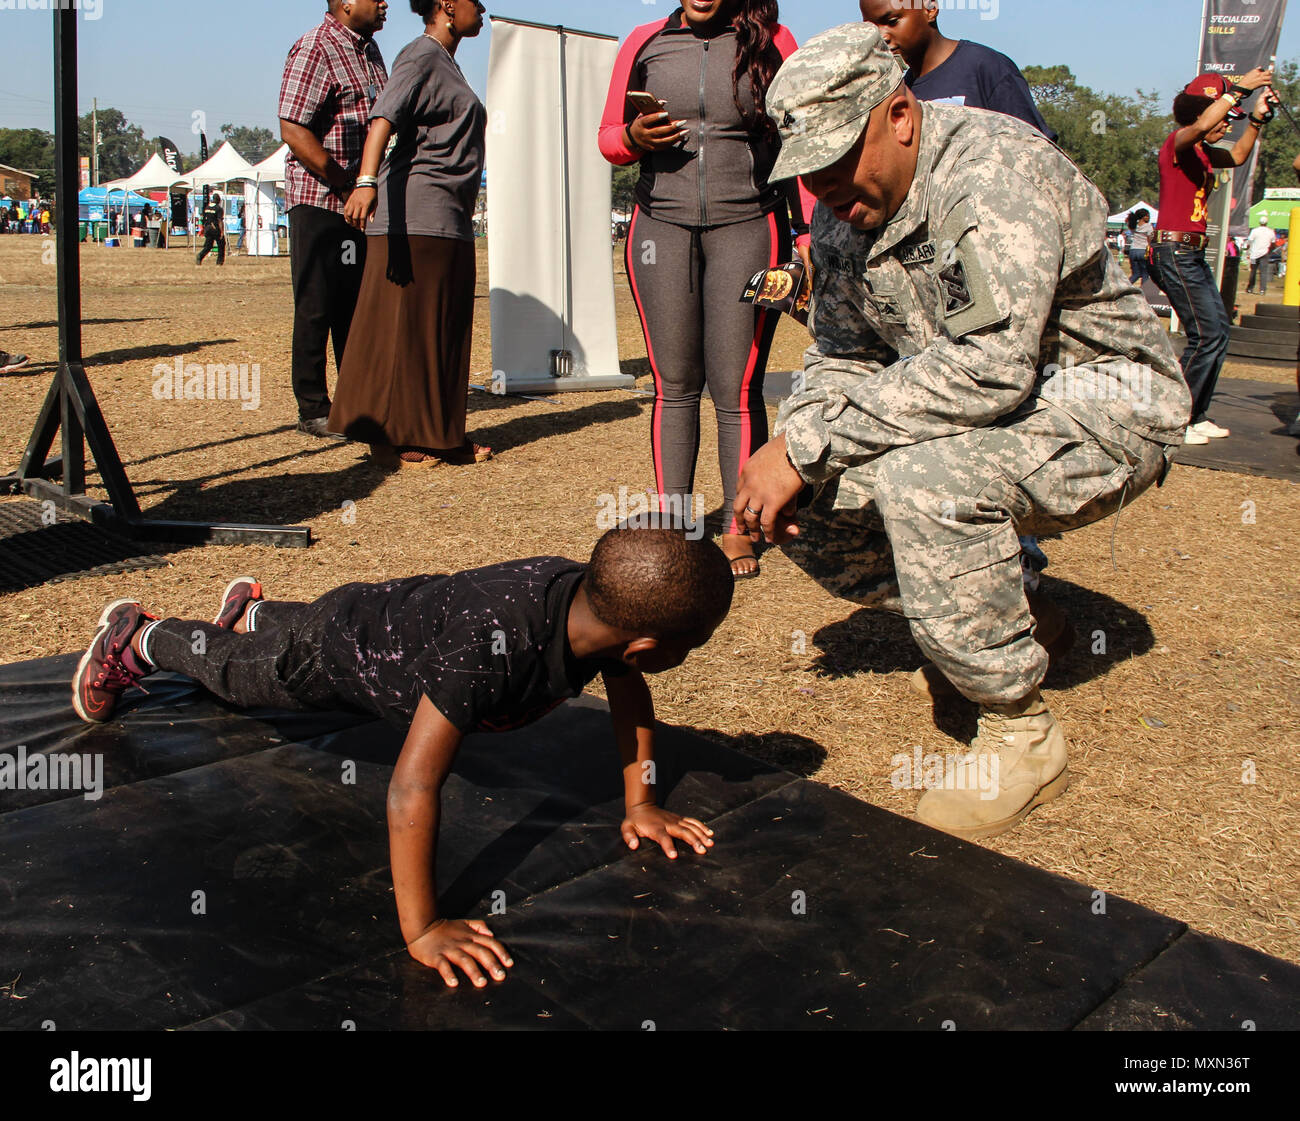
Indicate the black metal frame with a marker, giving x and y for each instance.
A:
(70, 405)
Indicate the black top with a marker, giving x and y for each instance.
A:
(982, 78)
(214, 215)
(489, 647)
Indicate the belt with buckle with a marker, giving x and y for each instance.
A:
(1181, 237)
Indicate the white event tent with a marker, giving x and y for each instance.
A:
(225, 165)
(1120, 219)
(261, 234)
(271, 169)
(155, 175)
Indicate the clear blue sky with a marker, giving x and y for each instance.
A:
(1112, 45)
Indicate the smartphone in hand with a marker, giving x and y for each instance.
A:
(646, 104)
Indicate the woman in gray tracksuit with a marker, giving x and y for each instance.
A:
(706, 220)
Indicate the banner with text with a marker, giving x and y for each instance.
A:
(1239, 35)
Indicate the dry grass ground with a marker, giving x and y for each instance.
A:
(1184, 682)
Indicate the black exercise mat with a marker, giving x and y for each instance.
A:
(173, 727)
(903, 927)
(1204, 984)
(1258, 414)
(816, 910)
(35, 550)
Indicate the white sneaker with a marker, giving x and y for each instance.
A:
(1210, 429)
(1191, 436)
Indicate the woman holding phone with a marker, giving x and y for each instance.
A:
(686, 100)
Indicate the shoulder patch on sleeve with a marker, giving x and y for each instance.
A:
(968, 301)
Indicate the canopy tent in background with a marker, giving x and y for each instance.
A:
(261, 213)
(1115, 221)
(1276, 206)
(225, 166)
(550, 266)
(271, 169)
(154, 176)
(94, 202)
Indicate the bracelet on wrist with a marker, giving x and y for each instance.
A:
(1239, 90)
(365, 181)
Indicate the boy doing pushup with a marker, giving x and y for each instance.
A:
(484, 650)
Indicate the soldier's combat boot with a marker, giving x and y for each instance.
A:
(1053, 631)
(1017, 761)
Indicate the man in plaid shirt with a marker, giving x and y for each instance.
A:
(332, 78)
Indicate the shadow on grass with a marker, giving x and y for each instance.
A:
(522, 430)
(871, 641)
(280, 500)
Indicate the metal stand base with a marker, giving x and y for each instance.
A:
(544, 383)
(70, 409)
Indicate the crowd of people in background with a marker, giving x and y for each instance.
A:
(25, 216)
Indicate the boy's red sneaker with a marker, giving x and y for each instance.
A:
(110, 667)
(239, 593)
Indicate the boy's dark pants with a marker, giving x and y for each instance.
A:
(279, 665)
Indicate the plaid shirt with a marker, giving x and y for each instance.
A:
(331, 80)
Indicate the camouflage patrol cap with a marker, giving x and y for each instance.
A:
(821, 97)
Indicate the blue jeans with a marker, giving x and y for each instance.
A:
(1186, 279)
(1138, 268)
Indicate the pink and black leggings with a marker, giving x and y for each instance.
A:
(687, 284)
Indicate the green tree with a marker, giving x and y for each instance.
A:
(1279, 143)
(1115, 140)
(30, 149)
(254, 144)
(624, 195)
(123, 148)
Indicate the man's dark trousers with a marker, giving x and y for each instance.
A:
(326, 259)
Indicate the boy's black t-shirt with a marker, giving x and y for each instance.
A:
(489, 646)
(982, 78)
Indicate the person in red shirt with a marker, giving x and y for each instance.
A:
(1189, 160)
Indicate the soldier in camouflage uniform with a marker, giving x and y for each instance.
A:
(979, 367)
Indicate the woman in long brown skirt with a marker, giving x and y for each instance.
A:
(405, 375)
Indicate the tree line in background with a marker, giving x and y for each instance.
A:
(123, 147)
(1114, 139)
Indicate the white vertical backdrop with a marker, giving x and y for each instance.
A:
(260, 239)
(549, 247)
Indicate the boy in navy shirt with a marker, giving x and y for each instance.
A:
(952, 71)
(478, 651)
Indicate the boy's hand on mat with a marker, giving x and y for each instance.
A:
(466, 944)
(661, 826)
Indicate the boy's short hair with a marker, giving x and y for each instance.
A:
(658, 582)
